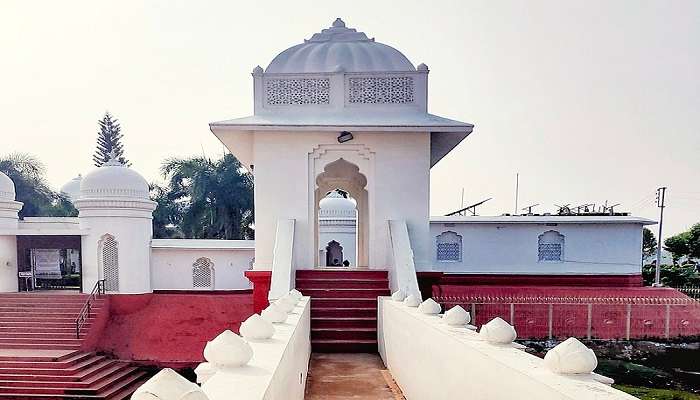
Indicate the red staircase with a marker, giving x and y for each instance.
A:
(40, 355)
(343, 308)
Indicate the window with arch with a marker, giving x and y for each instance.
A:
(550, 247)
(109, 262)
(449, 247)
(203, 274)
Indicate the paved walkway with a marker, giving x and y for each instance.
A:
(349, 376)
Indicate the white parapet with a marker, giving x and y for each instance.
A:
(277, 370)
(430, 359)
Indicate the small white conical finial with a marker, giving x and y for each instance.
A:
(113, 160)
(338, 23)
(257, 70)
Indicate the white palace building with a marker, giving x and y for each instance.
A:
(341, 144)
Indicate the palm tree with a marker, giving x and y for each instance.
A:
(214, 197)
(27, 172)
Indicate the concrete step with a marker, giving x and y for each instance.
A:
(343, 346)
(318, 312)
(345, 293)
(53, 373)
(340, 302)
(344, 333)
(40, 340)
(43, 363)
(343, 322)
(36, 321)
(309, 283)
(339, 274)
(34, 346)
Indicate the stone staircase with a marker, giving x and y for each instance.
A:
(41, 357)
(343, 308)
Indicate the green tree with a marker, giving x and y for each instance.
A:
(27, 172)
(649, 243)
(109, 139)
(677, 245)
(693, 241)
(167, 215)
(214, 198)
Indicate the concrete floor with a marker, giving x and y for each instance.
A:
(349, 376)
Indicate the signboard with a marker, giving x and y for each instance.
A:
(47, 263)
(25, 274)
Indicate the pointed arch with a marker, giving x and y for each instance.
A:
(108, 256)
(203, 274)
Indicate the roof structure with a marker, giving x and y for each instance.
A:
(542, 219)
(341, 80)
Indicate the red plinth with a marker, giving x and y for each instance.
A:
(261, 288)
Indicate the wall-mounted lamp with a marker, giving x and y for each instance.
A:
(345, 136)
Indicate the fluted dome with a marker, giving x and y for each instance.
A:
(335, 201)
(72, 188)
(7, 187)
(111, 180)
(339, 49)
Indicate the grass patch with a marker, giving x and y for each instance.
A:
(645, 393)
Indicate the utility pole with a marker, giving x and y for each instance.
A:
(517, 183)
(660, 202)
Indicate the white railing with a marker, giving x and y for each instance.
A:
(272, 368)
(282, 260)
(429, 359)
(404, 272)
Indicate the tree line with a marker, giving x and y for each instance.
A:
(685, 254)
(201, 198)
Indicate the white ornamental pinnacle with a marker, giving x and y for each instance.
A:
(411, 301)
(228, 350)
(113, 160)
(168, 385)
(457, 316)
(257, 328)
(285, 304)
(204, 371)
(398, 295)
(571, 357)
(296, 294)
(430, 307)
(498, 331)
(273, 313)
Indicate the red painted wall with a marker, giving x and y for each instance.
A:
(171, 329)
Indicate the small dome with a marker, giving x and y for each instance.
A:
(113, 179)
(7, 187)
(338, 49)
(337, 201)
(72, 188)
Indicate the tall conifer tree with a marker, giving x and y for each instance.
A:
(109, 139)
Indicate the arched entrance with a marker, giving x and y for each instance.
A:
(334, 254)
(344, 176)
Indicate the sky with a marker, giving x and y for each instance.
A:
(588, 101)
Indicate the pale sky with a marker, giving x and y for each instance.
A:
(588, 100)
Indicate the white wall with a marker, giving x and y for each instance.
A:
(133, 236)
(589, 248)
(397, 168)
(171, 267)
(8, 263)
(430, 360)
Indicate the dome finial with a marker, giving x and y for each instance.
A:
(113, 160)
(338, 23)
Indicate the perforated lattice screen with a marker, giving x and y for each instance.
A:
(381, 90)
(202, 273)
(448, 252)
(110, 263)
(549, 252)
(284, 92)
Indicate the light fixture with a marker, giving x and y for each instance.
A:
(345, 136)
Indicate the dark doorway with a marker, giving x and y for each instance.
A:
(334, 254)
(49, 262)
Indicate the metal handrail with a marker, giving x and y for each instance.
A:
(84, 314)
